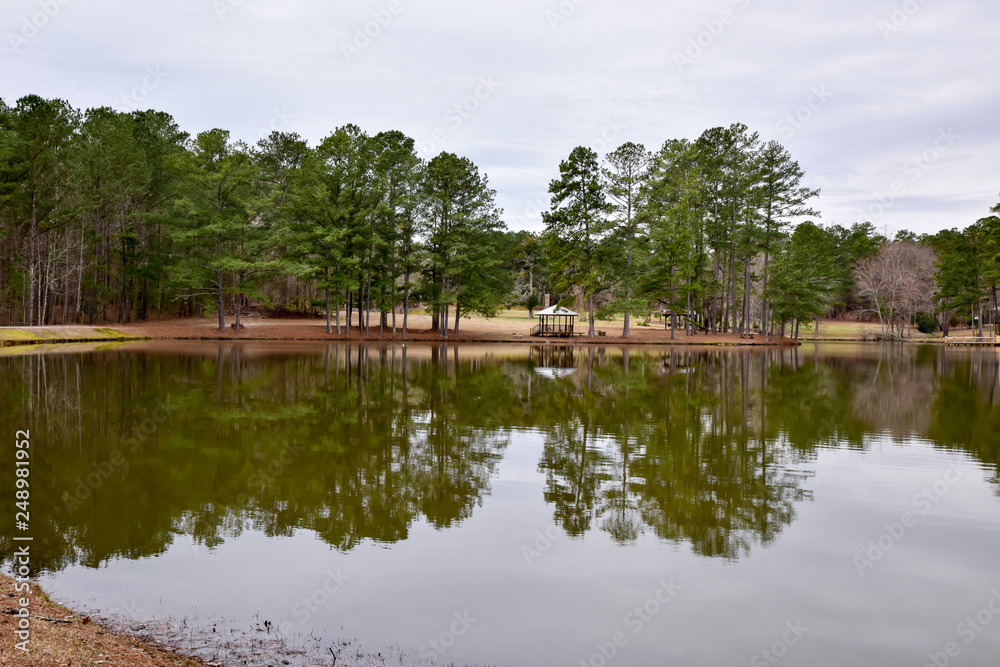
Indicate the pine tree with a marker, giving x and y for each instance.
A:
(460, 215)
(576, 225)
(220, 232)
(625, 176)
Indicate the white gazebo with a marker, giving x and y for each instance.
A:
(555, 321)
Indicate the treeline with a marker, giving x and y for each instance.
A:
(109, 217)
(702, 229)
(114, 216)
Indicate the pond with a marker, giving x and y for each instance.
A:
(520, 505)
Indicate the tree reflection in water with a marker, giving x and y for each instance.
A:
(707, 447)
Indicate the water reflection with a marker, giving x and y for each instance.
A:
(705, 447)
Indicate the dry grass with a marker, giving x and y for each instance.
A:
(62, 637)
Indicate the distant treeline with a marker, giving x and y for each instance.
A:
(109, 217)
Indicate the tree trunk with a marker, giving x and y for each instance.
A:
(406, 302)
(993, 313)
(79, 274)
(590, 314)
(368, 306)
(531, 289)
(745, 327)
(349, 304)
(628, 293)
(221, 298)
(714, 303)
(329, 327)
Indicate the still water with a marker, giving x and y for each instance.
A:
(831, 505)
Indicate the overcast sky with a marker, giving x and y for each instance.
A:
(891, 107)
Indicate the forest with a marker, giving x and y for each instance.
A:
(112, 217)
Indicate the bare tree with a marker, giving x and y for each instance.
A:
(898, 283)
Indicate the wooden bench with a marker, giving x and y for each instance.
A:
(602, 333)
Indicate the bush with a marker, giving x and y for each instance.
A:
(532, 302)
(926, 323)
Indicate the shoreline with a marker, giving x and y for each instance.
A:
(478, 330)
(61, 636)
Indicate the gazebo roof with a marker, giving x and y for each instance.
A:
(557, 310)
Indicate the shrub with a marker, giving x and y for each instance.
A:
(926, 323)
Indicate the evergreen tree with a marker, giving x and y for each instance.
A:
(625, 176)
(804, 279)
(675, 214)
(220, 233)
(782, 198)
(576, 225)
(460, 215)
(38, 136)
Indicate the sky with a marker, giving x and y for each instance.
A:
(890, 107)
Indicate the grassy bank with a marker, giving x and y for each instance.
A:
(63, 334)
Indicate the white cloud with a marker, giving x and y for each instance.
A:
(563, 82)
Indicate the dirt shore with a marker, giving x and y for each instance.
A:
(505, 329)
(61, 637)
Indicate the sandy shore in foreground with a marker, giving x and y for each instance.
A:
(58, 636)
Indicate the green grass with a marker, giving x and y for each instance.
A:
(839, 329)
(17, 335)
(112, 333)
